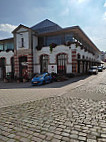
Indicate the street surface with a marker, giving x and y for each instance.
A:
(70, 111)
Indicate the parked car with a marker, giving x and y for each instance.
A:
(100, 68)
(104, 67)
(40, 79)
(93, 70)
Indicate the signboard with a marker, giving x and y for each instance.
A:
(24, 63)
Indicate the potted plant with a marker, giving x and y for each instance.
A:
(82, 47)
(68, 43)
(52, 45)
(77, 44)
(5, 80)
(7, 50)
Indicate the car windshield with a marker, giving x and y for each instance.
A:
(93, 68)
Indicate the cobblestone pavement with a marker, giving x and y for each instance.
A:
(56, 119)
(74, 116)
(18, 93)
(94, 88)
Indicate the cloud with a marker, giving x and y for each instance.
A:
(105, 4)
(81, 1)
(7, 27)
(97, 34)
(104, 16)
(65, 12)
(78, 1)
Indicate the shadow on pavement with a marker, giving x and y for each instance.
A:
(15, 85)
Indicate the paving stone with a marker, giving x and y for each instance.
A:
(74, 136)
(55, 140)
(58, 137)
(103, 135)
(58, 118)
(25, 140)
(11, 136)
(36, 139)
(91, 140)
(65, 134)
(11, 140)
(66, 139)
(82, 138)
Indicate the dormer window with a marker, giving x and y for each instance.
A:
(22, 42)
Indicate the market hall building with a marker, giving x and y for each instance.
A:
(47, 47)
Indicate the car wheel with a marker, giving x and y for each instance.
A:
(44, 82)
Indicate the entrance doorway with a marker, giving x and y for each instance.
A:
(44, 59)
(2, 68)
(23, 66)
(61, 63)
(12, 67)
(78, 63)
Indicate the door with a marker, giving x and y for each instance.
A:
(22, 66)
(44, 63)
(3, 68)
(61, 63)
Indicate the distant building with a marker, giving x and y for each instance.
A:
(47, 47)
(103, 56)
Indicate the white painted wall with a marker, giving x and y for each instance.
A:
(7, 56)
(87, 54)
(52, 58)
(22, 33)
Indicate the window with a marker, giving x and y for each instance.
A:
(1, 47)
(69, 37)
(22, 42)
(53, 39)
(8, 46)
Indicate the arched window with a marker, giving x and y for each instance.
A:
(83, 57)
(44, 59)
(78, 56)
(12, 67)
(2, 67)
(78, 63)
(61, 63)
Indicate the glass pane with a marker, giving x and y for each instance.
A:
(1, 46)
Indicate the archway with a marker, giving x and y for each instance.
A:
(12, 67)
(2, 67)
(61, 63)
(23, 66)
(44, 59)
(78, 63)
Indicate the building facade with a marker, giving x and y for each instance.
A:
(6, 57)
(103, 56)
(46, 47)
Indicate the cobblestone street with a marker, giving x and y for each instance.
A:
(75, 112)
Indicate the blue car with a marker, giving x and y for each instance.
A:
(40, 79)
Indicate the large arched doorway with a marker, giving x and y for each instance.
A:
(44, 60)
(23, 66)
(83, 63)
(2, 68)
(78, 63)
(87, 64)
(12, 67)
(61, 63)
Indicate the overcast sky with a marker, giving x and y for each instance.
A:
(90, 15)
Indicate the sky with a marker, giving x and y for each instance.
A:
(90, 15)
